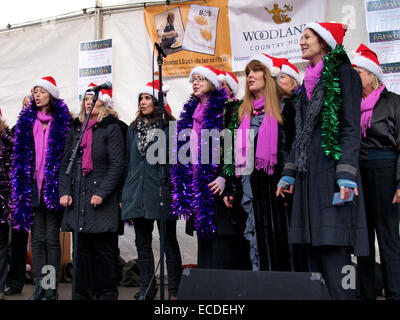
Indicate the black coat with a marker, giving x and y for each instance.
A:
(314, 219)
(104, 181)
(384, 133)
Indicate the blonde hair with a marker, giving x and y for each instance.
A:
(23, 100)
(3, 126)
(103, 112)
(375, 83)
(294, 83)
(272, 92)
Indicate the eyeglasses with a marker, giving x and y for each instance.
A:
(199, 79)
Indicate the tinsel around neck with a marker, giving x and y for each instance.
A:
(191, 194)
(332, 102)
(22, 173)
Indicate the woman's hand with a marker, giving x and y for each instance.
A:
(228, 201)
(217, 186)
(396, 198)
(96, 201)
(281, 191)
(345, 192)
(65, 201)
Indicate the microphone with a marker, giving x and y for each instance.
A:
(160, 50)
(105, 85)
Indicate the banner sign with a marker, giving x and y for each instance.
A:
(270, 26)
(383, 26)
(95, 64)
(191, 33)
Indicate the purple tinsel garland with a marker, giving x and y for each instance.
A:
(192, 195)
(22, 175)
(6, 146)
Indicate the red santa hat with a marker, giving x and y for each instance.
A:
(230, 79)
(273, 64)
(148, 88)
(105, 95)
(332, 32)
(365, 58)
(210, 73)
(49, 84)
(291, 70)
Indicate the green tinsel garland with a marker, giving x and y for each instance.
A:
(229, 169)
(332, 102)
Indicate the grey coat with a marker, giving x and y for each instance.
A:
(140, 194)
(315, 220)
(104, 181)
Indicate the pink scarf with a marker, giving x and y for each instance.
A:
(313, 73)
(41, 137)
(367, 107)
(86, 144)
(196, 131)
(267, 143)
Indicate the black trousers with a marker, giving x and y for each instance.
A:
(4, 229)
(18, 248)
(97, 267)
(383, 217)
(143, 230)
(45, 240)
(329, 261)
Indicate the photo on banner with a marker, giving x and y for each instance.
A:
(191, 33)
(270, 26)
(95, 64)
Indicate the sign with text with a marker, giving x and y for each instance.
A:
(95, 64)
(191, 34)
(383, 26)
(272, 27)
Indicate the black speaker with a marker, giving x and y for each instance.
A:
(208, 284)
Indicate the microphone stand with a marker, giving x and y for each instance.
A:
(78, 180)
(162, 173)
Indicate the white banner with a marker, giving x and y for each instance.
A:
(95, 64)
(270, 26)
(383, 25)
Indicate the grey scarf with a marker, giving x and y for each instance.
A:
(305, 129)
(145, 134)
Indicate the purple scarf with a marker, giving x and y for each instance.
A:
(86, 144)
(367, 107)
(41, 137)
(267, 143)
(311, 77)
(198, 117)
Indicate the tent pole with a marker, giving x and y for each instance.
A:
(99, 20)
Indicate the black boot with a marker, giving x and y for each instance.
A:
(152, 292)
(50, 294)
(38, 291)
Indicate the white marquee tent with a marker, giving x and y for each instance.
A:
(48, 45)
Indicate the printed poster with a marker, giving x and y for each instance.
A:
(95, 64)
(383, 26)
(190, 33)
